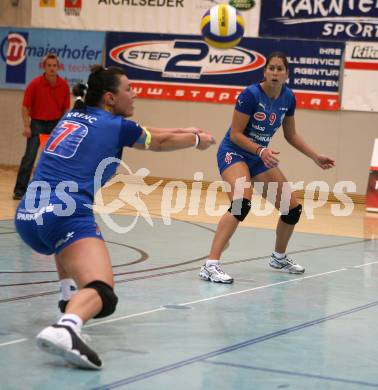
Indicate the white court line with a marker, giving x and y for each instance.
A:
(13, 342)
(363, 265)
(212, 298)
(202, 300)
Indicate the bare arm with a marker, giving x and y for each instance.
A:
(26, 120)
(169, 140)
(294, 139)
(177, 130)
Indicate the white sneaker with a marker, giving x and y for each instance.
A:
(62, 340)
(214, 273)
(286, 265)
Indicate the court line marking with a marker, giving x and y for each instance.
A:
(230, 348)
(13, 342)
(292, 373)
(101, 322)
(364, 265)
(97, 323)
(213, 298)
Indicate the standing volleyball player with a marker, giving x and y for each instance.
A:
(54, 217)
(260, 111)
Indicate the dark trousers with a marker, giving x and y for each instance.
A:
(37, 127)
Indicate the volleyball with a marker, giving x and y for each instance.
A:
(222, 26)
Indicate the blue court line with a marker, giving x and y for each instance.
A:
(247, 343)
(293, 373)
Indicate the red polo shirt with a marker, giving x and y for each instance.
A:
(46, 102)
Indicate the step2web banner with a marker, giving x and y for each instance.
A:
(184, 67)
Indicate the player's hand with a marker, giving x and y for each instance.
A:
(324, 162)
(206, 140)
(27, 132)
(269, 157)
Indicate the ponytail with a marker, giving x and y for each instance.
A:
(79, 91)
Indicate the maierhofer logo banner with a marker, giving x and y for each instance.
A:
(157, 16)
(22, 50)
(360, 82)
(333, 19)
(184, 67)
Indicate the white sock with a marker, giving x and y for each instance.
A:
(210, 263)
(67, 289)
(279, 256)
(71, 320)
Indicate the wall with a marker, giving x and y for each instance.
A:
(18, 16)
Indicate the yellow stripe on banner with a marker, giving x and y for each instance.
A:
(204, 21)
(223, 20)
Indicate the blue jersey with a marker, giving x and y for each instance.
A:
(266, 115)
(79, 143)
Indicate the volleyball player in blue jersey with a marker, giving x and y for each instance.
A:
(260, 111)
(53, 217)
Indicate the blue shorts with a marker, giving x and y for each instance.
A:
(47, 233)
(228, 156)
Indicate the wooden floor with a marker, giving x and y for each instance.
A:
(358, 224)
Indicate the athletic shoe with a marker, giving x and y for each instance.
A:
(214, 273)
(62, 340)
(286, 265)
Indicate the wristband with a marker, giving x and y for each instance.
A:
(198, 140)
(257, 150)
(261, 152)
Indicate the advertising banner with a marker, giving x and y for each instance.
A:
(22, 50)
(360, 82)
(157, 16)
(347, 20)
(184, 67)
(371, 202)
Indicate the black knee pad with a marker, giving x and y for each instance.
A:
(293, 215)
(106, 293)
(240, 208)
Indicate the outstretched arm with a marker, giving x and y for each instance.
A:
(177, 130)
(169, 140)
(299, 143)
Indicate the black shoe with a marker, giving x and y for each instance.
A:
(62, 304)
(62, 340)
(17, 196)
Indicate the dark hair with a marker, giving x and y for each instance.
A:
(100, 80)
(277, 54)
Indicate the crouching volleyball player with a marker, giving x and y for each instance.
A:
(94, 130)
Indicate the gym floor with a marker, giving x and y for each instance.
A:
(268, 330)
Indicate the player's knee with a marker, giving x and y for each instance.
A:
(106, 293)
(293, 215)
(240, 208)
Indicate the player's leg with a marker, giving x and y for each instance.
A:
(87, 261)
(235, 175)
(67, 287)
(285, 201)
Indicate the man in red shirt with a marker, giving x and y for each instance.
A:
(46, 99)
